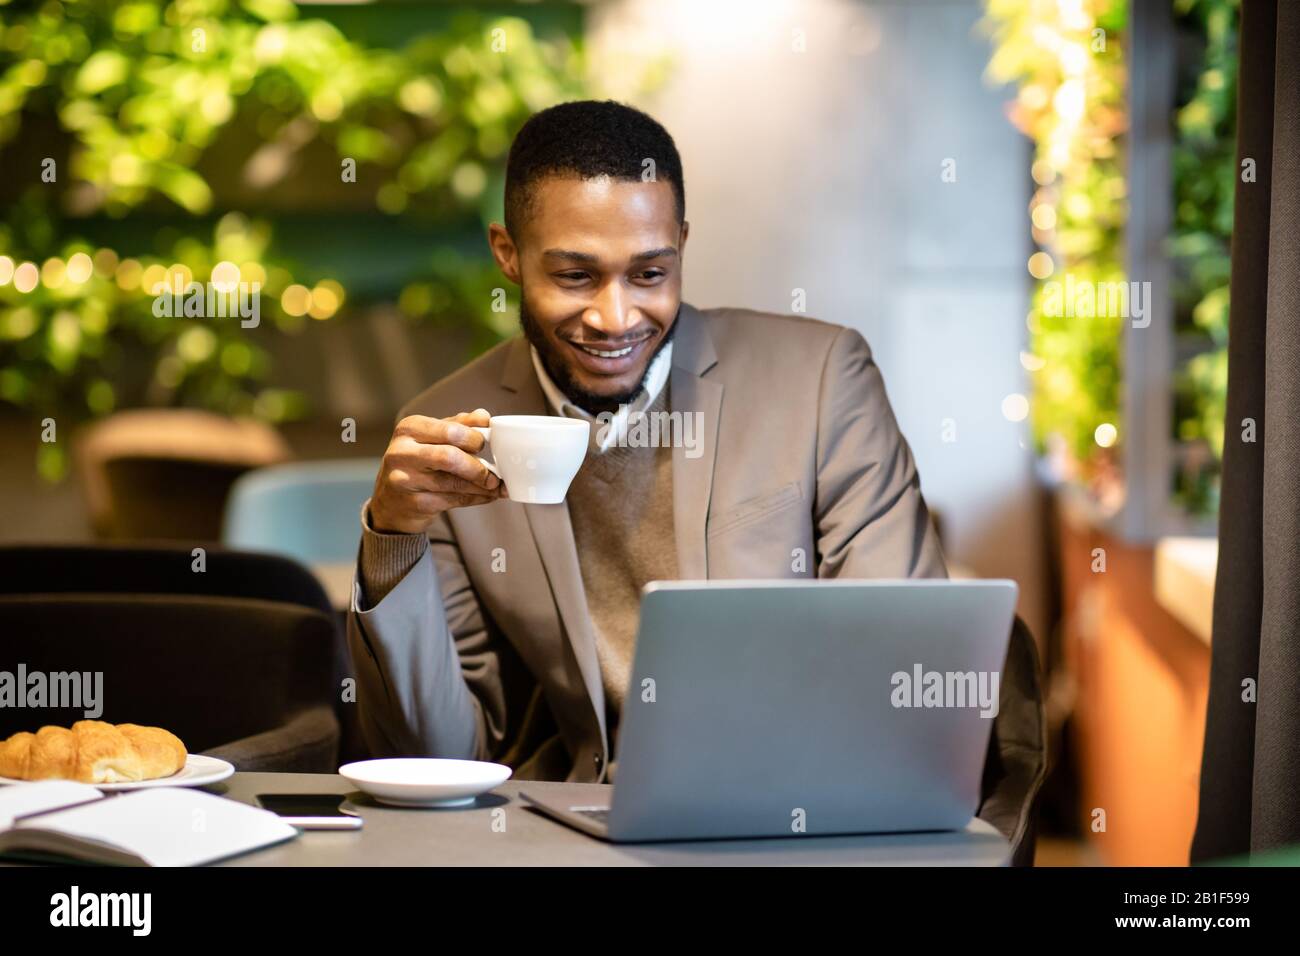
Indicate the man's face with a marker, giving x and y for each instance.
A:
(600, 272)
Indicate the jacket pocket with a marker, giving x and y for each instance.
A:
(753, 509)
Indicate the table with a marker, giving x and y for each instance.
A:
(499, 830)
(1184, 581)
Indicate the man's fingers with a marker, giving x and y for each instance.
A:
(479, 416)
(442, 431)
(416, 456)
(430, 503)
(430, 467)
(438, 482)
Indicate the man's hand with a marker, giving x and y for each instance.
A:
(430, 468)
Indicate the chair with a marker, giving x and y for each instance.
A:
(161, 567)
(167, 569)
(1016, 764)
(166, 472)
(244, 680)
(307, 510)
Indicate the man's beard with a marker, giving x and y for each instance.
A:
(558, 370)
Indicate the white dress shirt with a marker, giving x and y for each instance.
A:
(655, 377)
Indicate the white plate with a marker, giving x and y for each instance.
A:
(199, 771)
(425, 781)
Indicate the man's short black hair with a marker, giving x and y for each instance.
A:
(587, 138)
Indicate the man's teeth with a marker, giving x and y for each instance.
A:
(601, 354)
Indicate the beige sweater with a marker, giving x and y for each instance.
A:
(621, 508)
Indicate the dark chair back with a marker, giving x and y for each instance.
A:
(168, 498)
(166, 472)
(211, 670)
(1017, 757)
(157, 568)
(168, 568)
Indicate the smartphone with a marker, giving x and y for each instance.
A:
(311, 811)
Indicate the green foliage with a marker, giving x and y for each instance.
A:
(1078, 165)
(1070, 79)
(1205, 178)
(63, 342)
(143, 89)
(142, 104)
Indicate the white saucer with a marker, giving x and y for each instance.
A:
(199, 771)
(425, 781)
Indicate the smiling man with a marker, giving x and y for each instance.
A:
(490, 629)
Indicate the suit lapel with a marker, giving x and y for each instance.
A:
(553, 534)
(701, 399)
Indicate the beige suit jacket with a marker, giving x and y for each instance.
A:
(800, 455)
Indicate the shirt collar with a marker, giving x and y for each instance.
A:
(655, 378)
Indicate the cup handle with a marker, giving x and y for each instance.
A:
(486, 432)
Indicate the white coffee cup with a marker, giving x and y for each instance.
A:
(537, 456)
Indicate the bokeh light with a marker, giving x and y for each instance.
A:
(1031, 362)
(153, 279)
(80, 268)
(225, 276)
(129, 273)
(26, 276)
(296, 300)
(54, 272)
(253, 273)
(326, 298)
(1015, 407)
(105, 263)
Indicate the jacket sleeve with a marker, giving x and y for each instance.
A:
(870, 518)
(426, 660)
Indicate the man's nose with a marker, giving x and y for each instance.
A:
(612, 315)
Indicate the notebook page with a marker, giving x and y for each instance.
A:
(170, 826)
(20, 799)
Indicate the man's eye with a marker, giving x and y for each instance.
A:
(571, 275)
(652, 273)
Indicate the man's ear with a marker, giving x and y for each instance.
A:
(681, 243)
(504, 251)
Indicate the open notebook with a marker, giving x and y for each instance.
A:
(163, 826)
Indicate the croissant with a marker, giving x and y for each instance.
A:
(92, 752)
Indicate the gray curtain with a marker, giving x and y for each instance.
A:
(1250, 771)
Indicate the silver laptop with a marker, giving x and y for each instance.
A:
(780, 708)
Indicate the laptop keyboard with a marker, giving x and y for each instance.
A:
(598, 814)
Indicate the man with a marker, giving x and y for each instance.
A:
(490, 629)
